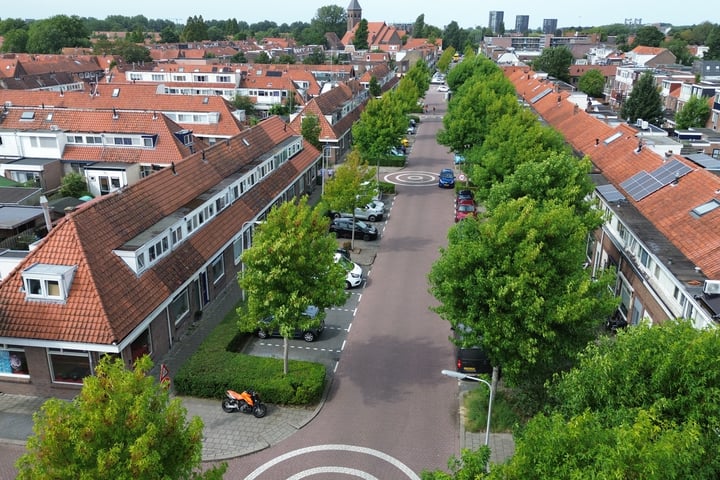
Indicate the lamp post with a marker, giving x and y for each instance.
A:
(462, 376)
(242, 230)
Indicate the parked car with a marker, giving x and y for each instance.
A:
(398, 151)
(343, 227)
(370, 212)
(447, 178)
(307, 334)
(343, 252)
(411, 130)
(374, 189)
(443, 88)
(354, 271)
(464, 209)
(459, 159)
(464, 195)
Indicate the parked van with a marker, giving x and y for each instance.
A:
(470, 359)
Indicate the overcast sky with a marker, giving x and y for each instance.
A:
(467, 13)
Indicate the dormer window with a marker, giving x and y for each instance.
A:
(48, 282)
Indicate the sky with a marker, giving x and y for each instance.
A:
(467, 13)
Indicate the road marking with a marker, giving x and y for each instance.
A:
(331, 447)
(345, 471)
(342, 347)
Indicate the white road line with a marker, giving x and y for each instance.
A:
(342, 347)
(343, 470)
(335, 367)
(342, 448)
(349, 327)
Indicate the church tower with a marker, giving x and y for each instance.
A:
(354, 14)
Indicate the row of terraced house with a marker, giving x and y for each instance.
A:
(177, 176)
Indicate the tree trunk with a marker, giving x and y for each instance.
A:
(285, 355)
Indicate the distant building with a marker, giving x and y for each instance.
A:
(522, 23)
(354, 14)
(495, 22)
(549, 26)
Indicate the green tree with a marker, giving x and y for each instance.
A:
(288, 268)
(644, 102)
(263, 58)
(169, 35)
(443, 63)
(382, 123)
(10, 24)
(694, 113)
(519, 270)
(679, 48)
(713, 43)
(73, 185)
(317, 57)
(195, 29)
(374, 87)
(418, 28)
(330, 18)
(648, 36)
(122, 425)
(645, 389)
(131, 52)
(345, 190)
(55, 33)
(360, 40)
(310, 130)
(242, 102)
(592, 82)
(239, 57)
(15, 41)
(454, 36)
(136, 36)
(555, 61)
(470, 466)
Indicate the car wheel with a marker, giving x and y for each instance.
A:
(336, 215)
(347, 284)
(308, 336)
(262, 334)
(372, 218)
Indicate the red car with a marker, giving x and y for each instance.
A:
(465, 208)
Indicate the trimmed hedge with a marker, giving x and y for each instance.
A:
(217, 366)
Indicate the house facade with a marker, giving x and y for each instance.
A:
(126, 274)
(660, 208)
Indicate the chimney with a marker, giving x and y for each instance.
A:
(46, 212)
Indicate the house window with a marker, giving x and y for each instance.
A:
(141, 260)
(68, 366)
(218, 268)
(238, 249)
(12, 360)
(179, 307)
(177, 235)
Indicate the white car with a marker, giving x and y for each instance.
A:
(354, 271)
(443, 88)
(372, 212)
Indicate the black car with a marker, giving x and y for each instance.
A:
(343, 227)
(309, 334)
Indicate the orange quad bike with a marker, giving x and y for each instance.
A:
(246, 402)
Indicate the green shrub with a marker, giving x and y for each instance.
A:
(217, 366)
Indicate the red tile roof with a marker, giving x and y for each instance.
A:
(669, 208)
(107, 300)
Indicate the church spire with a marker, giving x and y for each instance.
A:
(354, 14)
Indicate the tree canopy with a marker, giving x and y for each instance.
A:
(122, 425)
(644, 102)
(360, 40)
(694, 113)
(56, 33)
(555, 61)
(288, 268)
(592, 82)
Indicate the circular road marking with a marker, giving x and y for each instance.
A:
(412, 178)
(331, 469)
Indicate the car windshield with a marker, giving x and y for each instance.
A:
(345, 263)
(466, 208)
(361, 224)
(446, 174)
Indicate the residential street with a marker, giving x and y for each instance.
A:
(389, 409)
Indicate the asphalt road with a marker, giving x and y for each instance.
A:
(390, 414)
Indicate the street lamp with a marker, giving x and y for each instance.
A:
(462, 376)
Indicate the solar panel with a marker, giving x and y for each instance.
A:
(541, 95)
(610, 193)
(641, 185)
(667, 173)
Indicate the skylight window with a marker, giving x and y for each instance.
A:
(612, 138)
(29, 115)
(116, 92)
(705, 208)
